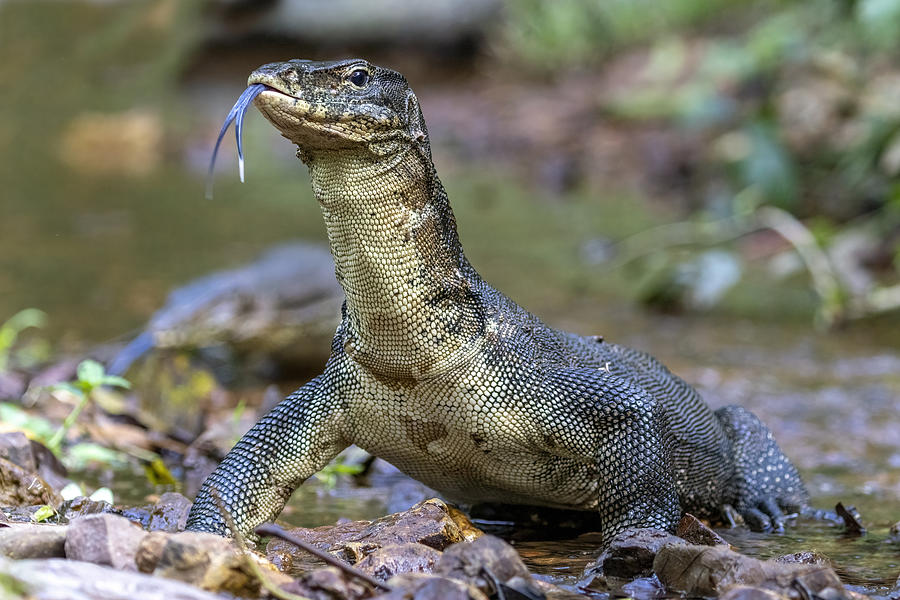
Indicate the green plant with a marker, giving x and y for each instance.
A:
(329, 475)
(90, 376)
(10, 330)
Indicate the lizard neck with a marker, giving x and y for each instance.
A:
(410, 311)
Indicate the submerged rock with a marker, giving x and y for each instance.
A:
(711, 571)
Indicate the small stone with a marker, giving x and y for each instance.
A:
(149, 551)
(419, 586)
(894, 533)
(23, 487)
(693, 530)
(104, 539)
(170, 513)
(487, 563)
(205, 560)
(746, 592)
(630, 554)
(33, 541)
(388, 561)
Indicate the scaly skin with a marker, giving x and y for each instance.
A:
(452, 382)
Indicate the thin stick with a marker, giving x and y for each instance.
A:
(279, 532)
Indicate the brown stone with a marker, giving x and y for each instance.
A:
(485, 561)
(33, 541)
(711, 571)
(104, 539)
(23, 487)
(695, 531)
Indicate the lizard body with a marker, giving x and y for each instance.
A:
(452, 382)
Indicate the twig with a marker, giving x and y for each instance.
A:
(263, 579)
(279, 532)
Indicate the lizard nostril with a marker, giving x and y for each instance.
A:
(291, 76)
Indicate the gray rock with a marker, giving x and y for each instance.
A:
(33, 541)
(104, 539)
(488, 563)
(57, 579)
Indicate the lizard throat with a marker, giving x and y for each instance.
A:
(411, 313)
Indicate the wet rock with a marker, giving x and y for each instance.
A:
(488, 563)
(395, 559)
(710, 571)
(23, 487)
(431, 523)
(170, 513)
(851, 517)
(205, 560)
(81, 506)
(418, 586)
(806, 557)
(327, 583)
(746, 592)
(12, 385)
(630, 554)
(104, 539)
(693, 530)
(894, 533)
(642, 587)
(46, 579)
(33, 541)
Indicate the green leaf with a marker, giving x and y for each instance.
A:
(68, 387)
(91, 373)
(158, 473)
(116, 381)
(43, 513)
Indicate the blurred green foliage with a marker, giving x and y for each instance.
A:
(790, 104)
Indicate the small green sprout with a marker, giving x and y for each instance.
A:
(329, 475)
(43, 513)
(10, 330)
(91, 375)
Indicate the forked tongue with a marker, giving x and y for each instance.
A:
(236, 114)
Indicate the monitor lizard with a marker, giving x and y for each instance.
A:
(440, 374)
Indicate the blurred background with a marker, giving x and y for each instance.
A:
(715, 182)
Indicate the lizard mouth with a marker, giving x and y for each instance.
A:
(236, 115)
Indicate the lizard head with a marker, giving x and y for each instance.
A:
(347, 105)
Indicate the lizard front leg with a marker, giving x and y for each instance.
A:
(293, 441)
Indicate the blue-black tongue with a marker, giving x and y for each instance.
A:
(236, 114)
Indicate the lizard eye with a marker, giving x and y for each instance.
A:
(359, 77)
